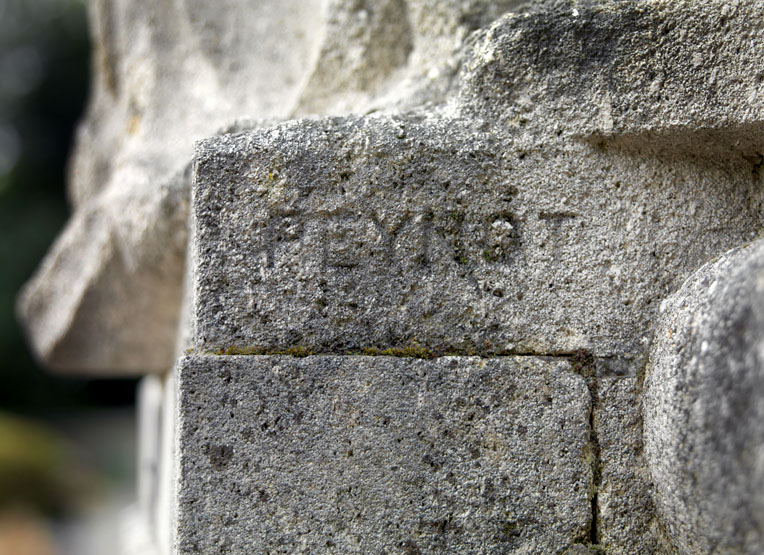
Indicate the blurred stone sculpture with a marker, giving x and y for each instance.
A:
(463, 276)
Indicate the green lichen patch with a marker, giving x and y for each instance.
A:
(298, 351)
(411, 351)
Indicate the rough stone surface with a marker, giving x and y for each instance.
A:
(389, 231)
(626, 520)
(639, 75)
(382, 454)
(703, 407)
(536, 183)
(614, 69)
(392, 54)
(108, 296)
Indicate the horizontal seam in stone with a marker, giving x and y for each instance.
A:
(395, 353)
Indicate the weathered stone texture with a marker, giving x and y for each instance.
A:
(108, 296)
(534, 183)
(392, 54)
(703, 407)
(626, 521)
(382, 454)
(389, 231)
(674, 68)
(654, 78)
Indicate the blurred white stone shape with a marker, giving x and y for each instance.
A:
(107, 297)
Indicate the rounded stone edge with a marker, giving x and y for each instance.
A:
(703, 407)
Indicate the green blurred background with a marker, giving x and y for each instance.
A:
(59, 437)
(44, 76)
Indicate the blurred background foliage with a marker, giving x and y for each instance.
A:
(45, 442)
(38, 469)
(44, 77)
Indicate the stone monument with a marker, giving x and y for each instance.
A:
(425, 276)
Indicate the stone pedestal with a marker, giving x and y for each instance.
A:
(471, 277)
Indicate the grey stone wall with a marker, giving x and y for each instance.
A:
(439, 276)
